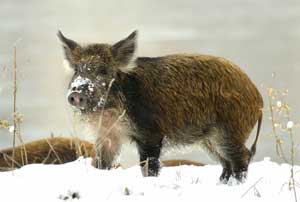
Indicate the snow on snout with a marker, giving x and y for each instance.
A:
(80, 81)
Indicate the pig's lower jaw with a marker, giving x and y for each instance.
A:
(91, 108)
(81, 110)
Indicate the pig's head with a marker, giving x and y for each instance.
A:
(96, 67)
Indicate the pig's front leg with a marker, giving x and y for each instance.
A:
(107, 148)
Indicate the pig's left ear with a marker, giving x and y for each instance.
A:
(123, 51)
(70, 47)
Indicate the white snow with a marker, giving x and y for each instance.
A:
(267, 181)
(80, 81)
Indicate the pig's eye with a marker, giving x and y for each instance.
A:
(103, 71)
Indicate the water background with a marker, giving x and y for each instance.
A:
(263, 37)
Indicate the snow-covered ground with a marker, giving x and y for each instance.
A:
(267, 181)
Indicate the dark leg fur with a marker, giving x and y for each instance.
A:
(240, 164)
(106, 151)
(227, 169)
(238, 156)
(103, 160)
(230, 152)
(149, 158)
(226, 173)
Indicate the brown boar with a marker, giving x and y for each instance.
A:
(55, 150)
(181, 99)
(178, 162)
(59, 150)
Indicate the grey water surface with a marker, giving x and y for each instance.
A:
(262, 36)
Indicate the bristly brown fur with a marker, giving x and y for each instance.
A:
(48, 151)
(171, 163)
(181, 98)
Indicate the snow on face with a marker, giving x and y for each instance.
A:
(101, 102)
(81, 81)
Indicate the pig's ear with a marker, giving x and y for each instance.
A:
(69, 46)
(123, 51)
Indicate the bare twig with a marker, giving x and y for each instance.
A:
(283, 107)
(77, 146)
(279, 149)
(103, 138)
(292, 179)
(102, 110)
(56, 155)
(7, 157)
(22, 146)
(14, 101)
(145, 167)
(47, 157)
(253, 186)
(115, 123)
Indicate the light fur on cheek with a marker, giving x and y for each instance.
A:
(131, 65)
(68, 69)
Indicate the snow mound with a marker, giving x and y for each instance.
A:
(79, 181)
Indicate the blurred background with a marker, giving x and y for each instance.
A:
(263, 37)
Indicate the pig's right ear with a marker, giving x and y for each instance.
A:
(124, 50)
(70, 47)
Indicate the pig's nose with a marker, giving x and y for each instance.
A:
(78, 100)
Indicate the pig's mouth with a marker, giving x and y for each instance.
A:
(94, 106)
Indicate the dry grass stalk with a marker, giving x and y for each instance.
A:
(17, 118)
(78, 147)
(103, 138)
(279, 149)
(53, 150)
(102, 110)
(24, 156)
(14, 102)
(81, 149)
(252, 187)
(283, 109)
(9, 160)
(47, 157)
(146, 166)
(292, 185)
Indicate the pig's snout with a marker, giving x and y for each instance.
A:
(78, 100)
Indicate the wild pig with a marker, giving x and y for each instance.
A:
(60, 150)
(56, 150)
(182, 99)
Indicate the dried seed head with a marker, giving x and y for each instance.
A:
(279, 104)
(290, 124)
(11, 129)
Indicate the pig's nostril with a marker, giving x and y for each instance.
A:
(78, 100)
